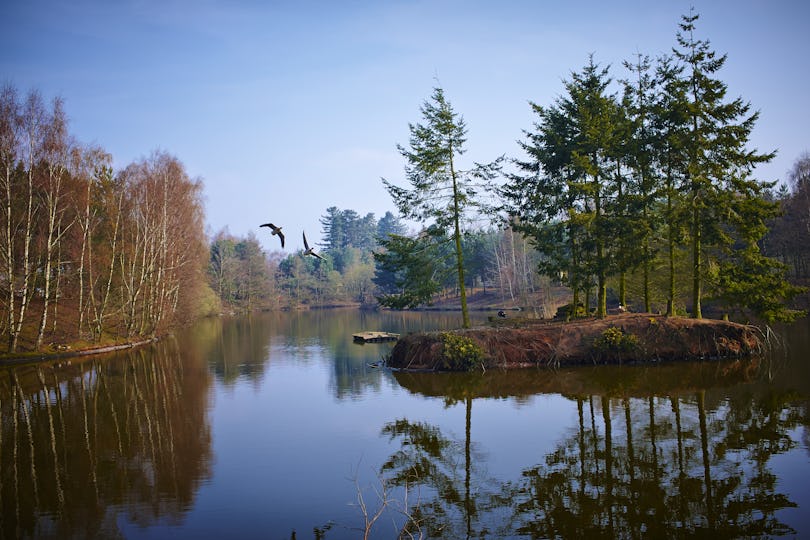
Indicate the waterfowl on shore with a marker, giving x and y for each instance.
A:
(275, 231)
(308, 250)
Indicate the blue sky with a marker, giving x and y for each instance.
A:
(284, 109)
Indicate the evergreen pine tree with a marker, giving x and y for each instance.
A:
(441, 192)
(716, 135)
(638, 199)
(565, 196)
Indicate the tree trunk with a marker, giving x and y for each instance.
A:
(14, 333)
(601, 294)
(52, 207)
(9, 259)
(85, 225)
(696, 262)
(671, 251)
(465, 315)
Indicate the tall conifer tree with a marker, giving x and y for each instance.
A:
(595, 114)
(441, 192)
(669, 113)
(640, 152)
(717, 132)
(564, 195)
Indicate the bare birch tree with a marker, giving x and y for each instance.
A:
(28, 121)
(9, 155)
(133, 258)
(98, 215)
(55, 153)
(165, 242)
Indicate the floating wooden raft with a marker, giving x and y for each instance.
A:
(375, 337)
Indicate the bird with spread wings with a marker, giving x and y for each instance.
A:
(308, 250)
(275, 231)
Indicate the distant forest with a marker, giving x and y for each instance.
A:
(246, 277)
(639, 192)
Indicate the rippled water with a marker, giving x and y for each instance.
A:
(279, 426)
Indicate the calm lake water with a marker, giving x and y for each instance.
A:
(278, 426)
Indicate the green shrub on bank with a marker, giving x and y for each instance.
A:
(460, 353)
(614, 341)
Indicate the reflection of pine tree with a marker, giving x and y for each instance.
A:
(757, 427)
(681, 467)
(429, 459)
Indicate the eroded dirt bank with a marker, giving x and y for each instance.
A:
(630, 337)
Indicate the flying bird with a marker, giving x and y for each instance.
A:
(308, 250)
(275, 231)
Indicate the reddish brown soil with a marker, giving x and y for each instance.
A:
(524, 343)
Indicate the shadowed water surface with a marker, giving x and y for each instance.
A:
(279, 426)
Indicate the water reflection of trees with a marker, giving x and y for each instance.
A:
(234, 348)
(685, 470)
(244, 348)
(693, 462)
(82, 445)
(447, 468)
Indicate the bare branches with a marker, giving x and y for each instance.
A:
(409, 526)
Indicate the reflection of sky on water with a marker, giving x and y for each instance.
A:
(793, 472)
(521, 433)
(287, 451)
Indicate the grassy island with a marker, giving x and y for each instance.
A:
(625, 338)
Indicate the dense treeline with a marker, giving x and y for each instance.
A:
(88, 253)
(639, 181)
(501, 261)
(620, 186)
(789, 237)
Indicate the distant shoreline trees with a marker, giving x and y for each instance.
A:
(788, 238)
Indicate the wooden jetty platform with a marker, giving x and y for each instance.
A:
(374, 337)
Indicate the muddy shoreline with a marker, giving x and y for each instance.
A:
(34, 357)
